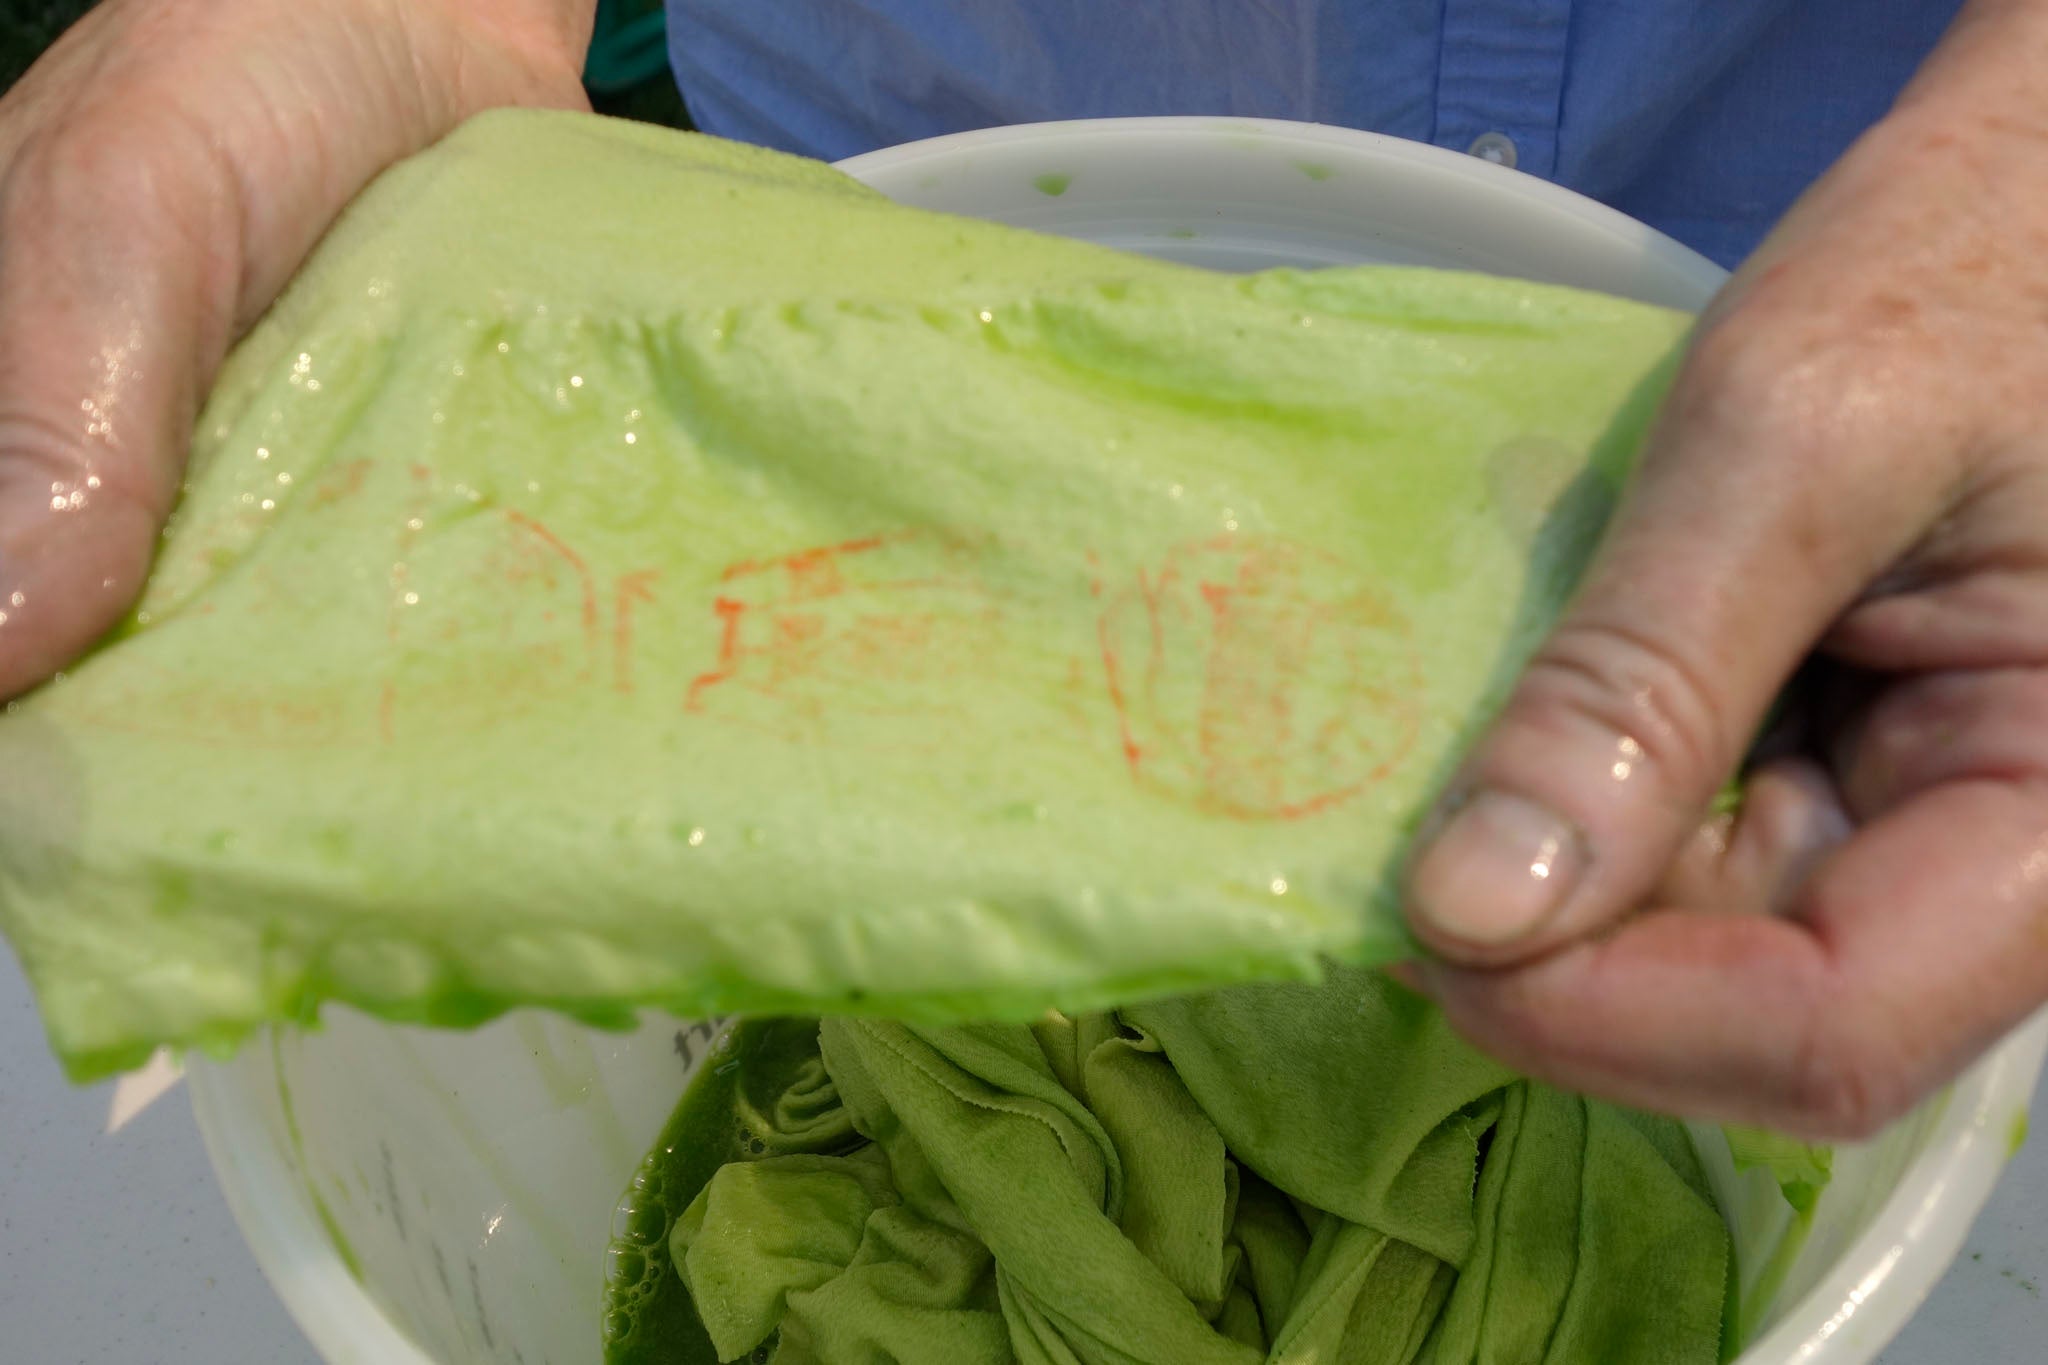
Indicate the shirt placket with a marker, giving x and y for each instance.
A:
(1500, 79)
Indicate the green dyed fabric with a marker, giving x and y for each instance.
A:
(1281, 1174)
(629, 569)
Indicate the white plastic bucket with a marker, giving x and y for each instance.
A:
(432, 1198)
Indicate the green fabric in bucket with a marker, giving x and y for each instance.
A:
(1108, 1190)
(629, 569)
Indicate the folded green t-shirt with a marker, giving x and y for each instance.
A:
(629, 569)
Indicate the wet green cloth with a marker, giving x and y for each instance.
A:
(1303, 1176)
(585, 572)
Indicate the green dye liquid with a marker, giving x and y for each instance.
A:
(649, 1318)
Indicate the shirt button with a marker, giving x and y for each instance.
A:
(1498, 148)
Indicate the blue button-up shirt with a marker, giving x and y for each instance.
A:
(1704, 118)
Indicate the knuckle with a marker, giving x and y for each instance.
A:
(1735, 375)
(142, 161)
(34, 444)
(29, 185)
(1793, 373)
(61, 174)
(1802, 436)
(44, 461)
(1828, 379)
(107, 155)
(1656, 705)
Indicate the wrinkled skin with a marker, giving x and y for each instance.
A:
(1854, 462)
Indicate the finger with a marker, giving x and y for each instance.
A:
(1747, 532)
(1915, 947)
(114, 300)
(1983, 620)
(1758, 857)
(1974, 593)
(1940, 728)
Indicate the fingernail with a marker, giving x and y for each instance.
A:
(1497, 870)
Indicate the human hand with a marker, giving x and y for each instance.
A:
(1853, 463)
(163, 170)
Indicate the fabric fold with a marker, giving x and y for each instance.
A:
(1349, 1096)
(1265, 1175)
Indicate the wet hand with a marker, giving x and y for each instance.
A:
(163, 170)
(1852, 469)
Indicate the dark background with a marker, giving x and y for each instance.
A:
(29, 26)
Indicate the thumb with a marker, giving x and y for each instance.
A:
(113, 303)
(1739, 542)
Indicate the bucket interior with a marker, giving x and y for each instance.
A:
(464, 1180)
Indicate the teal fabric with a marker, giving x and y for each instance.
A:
(1289, 1175)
